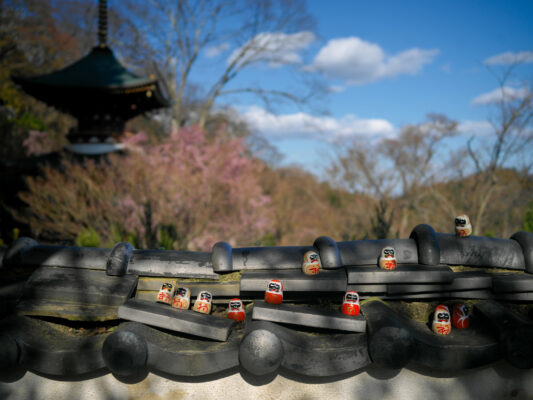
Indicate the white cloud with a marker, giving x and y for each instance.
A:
(275, 48)
(358, 62)
(509, 58)
(477, 128)
(336, 89)
(303, 125)
(507, 93)
(213, 51)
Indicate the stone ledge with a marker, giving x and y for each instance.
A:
(404, 273)
(78, 285)
(294, 281)
(75, 294)
(307, 316)
(151, 297)
(368, 288)
(185, 321)
(462, 281)
(504, 283)
(171, 263)
(217, 289)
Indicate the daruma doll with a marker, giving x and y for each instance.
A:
(460, 316)
(350, 305)
(274, 292)
(203, 302)
(182, 298)
(311, 264)
(441, 320)
(462, 226)
(387, 260)
(165, 293)
(236, 310)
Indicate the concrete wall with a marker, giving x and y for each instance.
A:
(499, 381)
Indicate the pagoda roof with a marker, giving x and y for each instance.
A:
(97, 70)
(96, 82)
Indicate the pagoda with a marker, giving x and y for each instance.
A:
(99, 92)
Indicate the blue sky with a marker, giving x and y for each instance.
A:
(387, 64)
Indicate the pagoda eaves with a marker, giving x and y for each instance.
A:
(96, 82)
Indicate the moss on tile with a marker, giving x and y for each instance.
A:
(231, 277)
(462, 268)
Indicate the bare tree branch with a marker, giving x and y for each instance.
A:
(173, 34)
(511, 137)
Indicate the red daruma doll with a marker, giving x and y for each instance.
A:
(165, 294)
(441, 320)
(311, 264)
(274, 292)
(182, 298)
(350, 305)
(460, 316)
(236, 310)
(388, 258)
(203, 302)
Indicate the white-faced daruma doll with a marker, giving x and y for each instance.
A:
(442, 324)
(182, 298)
(387, 260)
(350, 305)
(236, 310)
(462, 226)
(311, 264)
(165, 293)
(203, 302)
(274, 292)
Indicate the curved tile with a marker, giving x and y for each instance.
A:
(367, 252)
(46, 348)
(119, 258)
(329, 252)
(515, 332)
(427, 244)
(176, 354)
(525, 240)
(479, 251)
(462, 349)
(315, 354)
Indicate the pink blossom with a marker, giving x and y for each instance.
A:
(207, 190)
(38, 143)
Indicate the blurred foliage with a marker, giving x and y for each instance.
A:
(88, 237)
(15, 233)
(421, 182)
(381, 223)
(302, 210)
(186, 192)
(527, 224)
(168, 238)
(32, 42)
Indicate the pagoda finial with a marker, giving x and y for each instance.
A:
(102, 23)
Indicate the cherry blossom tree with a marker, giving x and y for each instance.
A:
(186, 192)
